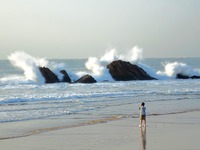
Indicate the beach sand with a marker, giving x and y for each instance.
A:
(163, 132)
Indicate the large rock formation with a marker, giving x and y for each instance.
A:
(49, 76)
(86, 79)
(125, 71)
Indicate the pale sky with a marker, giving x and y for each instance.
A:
(84, 28)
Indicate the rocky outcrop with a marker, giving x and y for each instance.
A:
(125, 71)
(119, 70)
(66, 77)
(180, 76)
(86, 79)
(49, 76)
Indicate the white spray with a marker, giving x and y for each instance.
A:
(135, 55)
(29, 65)
(98, 66)
(172, 69)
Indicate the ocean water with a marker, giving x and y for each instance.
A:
(24, 97)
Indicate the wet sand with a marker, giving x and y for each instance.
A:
(163, 132)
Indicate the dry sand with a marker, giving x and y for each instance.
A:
(163, 132)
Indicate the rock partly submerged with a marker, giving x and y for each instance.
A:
(66, 77)
(48, 75)
(125, 71)
(181, 76)
(86, 79)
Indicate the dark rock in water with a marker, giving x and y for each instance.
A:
(66, 77)
(180, 76)
(49, 76)
(125, 71)
(195, 77)
(86, 79)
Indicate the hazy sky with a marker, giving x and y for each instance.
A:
(83, 28)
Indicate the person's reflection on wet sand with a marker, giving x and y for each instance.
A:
(143, 138)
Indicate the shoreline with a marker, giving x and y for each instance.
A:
(40, 130)
(171, 131)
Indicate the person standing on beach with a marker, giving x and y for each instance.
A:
(142, 109)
